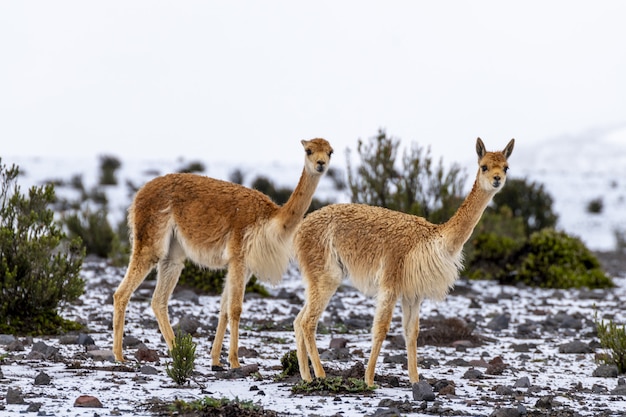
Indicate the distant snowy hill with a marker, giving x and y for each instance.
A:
(574, 170)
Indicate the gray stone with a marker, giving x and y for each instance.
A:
(505, 412)
(148, 370)
(105, 355)
(472, 374)
(422, 391)
(499, 322)
(575, 347)
(523, 382)
(42, 378)
(14, 396)
(5, 339)
(606, 371)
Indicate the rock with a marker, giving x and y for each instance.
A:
(144, 354)
(499, 322)
(187, 325)
(131, 341)
(620, 389)
(545, 402)
(187, 295)
(338, 343)
(105, 355)
(42, 351)
(15, 346)
(523, 382)
(34, 408)
(506, 412)
(241, 372)
(575, 347)
(496, 366)
(472, 374)
(244, 352)
(85, 340)
(42, 378)
(87, 401)
(148, 370)
(14, 396)
(422, 391)
(5, 339)
(606, 371)
(401, 359)
(504, 390)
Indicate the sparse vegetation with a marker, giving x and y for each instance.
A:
(613, 338)
(415, 185)
(183, 358)
(333, 385)
(218, 407)
(595, 206)
(39, 266)
(108, 167)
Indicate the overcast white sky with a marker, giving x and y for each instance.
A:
(246, 80)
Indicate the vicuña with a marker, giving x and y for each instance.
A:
(215, 224)
(388, 254)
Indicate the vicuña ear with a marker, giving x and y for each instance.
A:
(304, 142)
(509, 149)
(480, 149)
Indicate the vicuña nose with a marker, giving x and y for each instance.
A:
(320, 162)
(497, 178)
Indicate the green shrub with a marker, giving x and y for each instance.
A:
(192, 167)
(108, 166)
(39, 267)
(333, 384)
(183, 358)
(595, 206)
(209, 406)
(613, 338)
(211, 281)
(289, 362)
(528, 201)
(95, 231)
(415, 185)
(553, 259)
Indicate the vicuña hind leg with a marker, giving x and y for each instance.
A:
(231, 307)
(382, 321)
(319, 291)
(167, 277)
(411, 326)
(138, 268)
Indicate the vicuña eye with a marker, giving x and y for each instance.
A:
(484, 168)
(330, 153)
(309, 152)
(506, 169)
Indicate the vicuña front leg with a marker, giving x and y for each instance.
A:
(411, 326)
(380, 328)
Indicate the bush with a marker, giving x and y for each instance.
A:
(528, 201)
(416, 185)
(183, 358)
(211, 281)
(595, 206)
(552, 259)
(108, 166)
(95, 231)
(39, 267)
(613, 338)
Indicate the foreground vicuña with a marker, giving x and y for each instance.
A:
(388, 254)
(216, 224)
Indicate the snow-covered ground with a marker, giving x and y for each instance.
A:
(573, 170)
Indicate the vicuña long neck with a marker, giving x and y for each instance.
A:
(459, 228)
(292, 212)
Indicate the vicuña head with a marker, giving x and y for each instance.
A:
(216, 224)
(389, 254)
